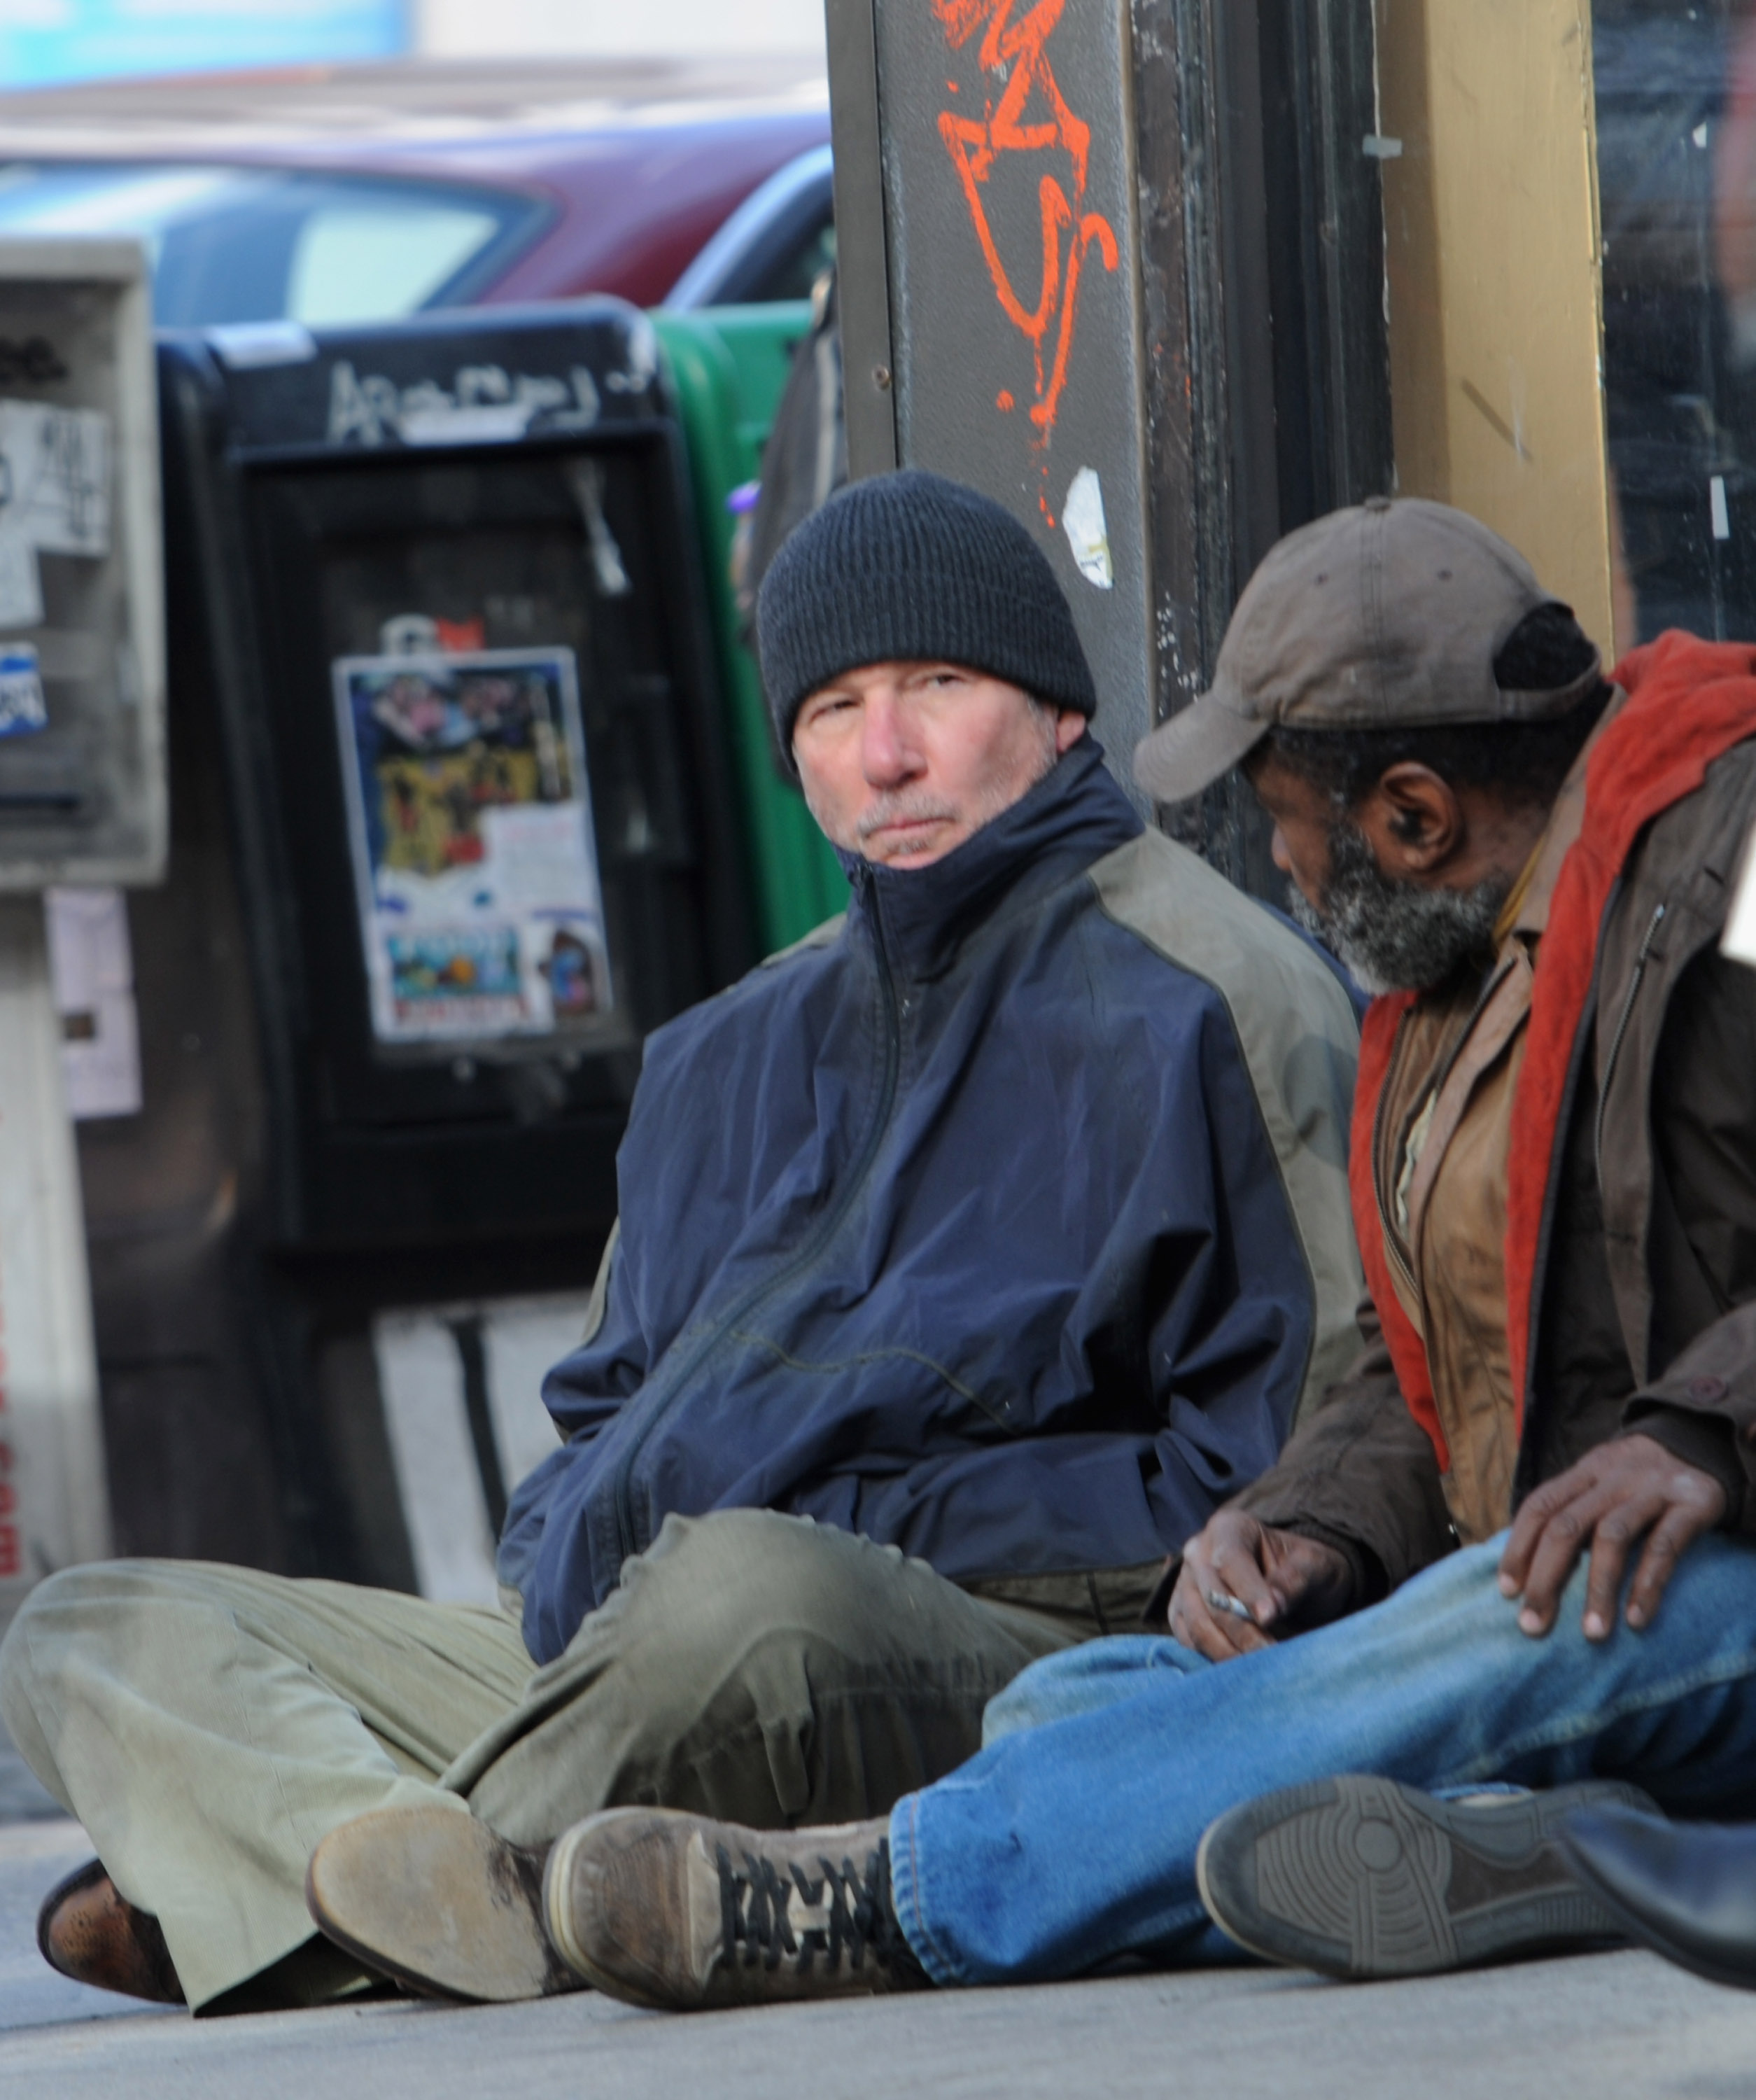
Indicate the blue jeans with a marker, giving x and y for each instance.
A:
(1071, 1837)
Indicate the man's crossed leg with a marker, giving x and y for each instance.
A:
(209, 1726)
(1072, 1838)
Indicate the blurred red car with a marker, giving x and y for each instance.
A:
(363, 192)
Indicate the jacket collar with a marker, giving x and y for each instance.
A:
(1073, 816)
(1567, 820)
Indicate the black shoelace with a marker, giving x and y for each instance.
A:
(756, 1900)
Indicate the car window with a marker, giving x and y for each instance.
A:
(231, 244)
(792, 275)
(775, 245)
(354, 263)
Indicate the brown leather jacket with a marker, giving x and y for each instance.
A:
(1645, 1294)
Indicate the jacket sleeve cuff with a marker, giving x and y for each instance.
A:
(1708, 1442)
(1368, 1583)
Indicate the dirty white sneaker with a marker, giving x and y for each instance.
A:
(670, 1910)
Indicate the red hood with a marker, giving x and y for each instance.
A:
(1688, 702)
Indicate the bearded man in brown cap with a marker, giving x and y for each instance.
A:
(1505, 1568)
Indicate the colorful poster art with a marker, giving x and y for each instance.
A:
(481, 907)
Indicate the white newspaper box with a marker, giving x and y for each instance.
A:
(82, 804)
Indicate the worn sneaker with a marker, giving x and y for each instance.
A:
(677, 1911)
(1360, 1877)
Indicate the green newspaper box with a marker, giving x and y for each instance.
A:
(728, 366)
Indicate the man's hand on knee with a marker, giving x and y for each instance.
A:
(1623, 1491)
(1278, 1577)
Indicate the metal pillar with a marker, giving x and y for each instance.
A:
(1119, 263)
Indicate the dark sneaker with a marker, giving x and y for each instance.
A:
(670, 1910)
(1359, 1877)
(434, 1900)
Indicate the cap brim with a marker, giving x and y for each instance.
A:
(1193, 749)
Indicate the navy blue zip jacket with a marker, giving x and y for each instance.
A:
(1004, 1221)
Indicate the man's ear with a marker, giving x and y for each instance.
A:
(1070, 726)
(1414, 820)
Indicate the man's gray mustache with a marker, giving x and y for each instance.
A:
(903, 809)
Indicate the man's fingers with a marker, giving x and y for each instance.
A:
(1527, 1528)
(1217, 1635)
(1671, 1536)
(1235, 1570)
(1241, 1581)
(1230, 1636)
(1553, 1557)
(1634, 1488)
(1684, 1520)
(1612, 1541)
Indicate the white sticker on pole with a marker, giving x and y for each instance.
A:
(1716, 504)
(55, 477)
(54, 499)
(91, 968)
(1082, 519)
(1739, 939)
(20, 580)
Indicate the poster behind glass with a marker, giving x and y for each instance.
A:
(469, 820)
(1676, 127)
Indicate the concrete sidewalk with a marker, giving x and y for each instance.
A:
(23, 1797)
(1615, 2026)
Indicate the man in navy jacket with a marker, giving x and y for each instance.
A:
(972, 1253)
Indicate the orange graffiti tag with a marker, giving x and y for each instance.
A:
(1017, 49)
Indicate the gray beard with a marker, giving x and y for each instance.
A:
(1396, 936)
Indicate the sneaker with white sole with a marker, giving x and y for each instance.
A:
(669, 1910)
(1360, 1877)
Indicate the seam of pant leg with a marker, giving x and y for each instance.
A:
(1672, 1693)
(254, 1744)
(933, 1957)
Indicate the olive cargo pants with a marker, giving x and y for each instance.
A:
(209, 1725)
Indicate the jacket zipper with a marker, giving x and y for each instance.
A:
(1621, 1029)
(742, 1308)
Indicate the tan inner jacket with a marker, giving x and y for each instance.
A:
(1440, 1158)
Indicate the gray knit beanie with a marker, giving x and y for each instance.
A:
(912, 567)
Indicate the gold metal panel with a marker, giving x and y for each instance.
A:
(1487, 135)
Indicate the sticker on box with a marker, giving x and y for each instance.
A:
(22, 709)
(55, 477)
(20, 578)
(469, 818)
(572, 965)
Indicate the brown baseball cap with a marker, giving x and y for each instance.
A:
(1389, 613)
